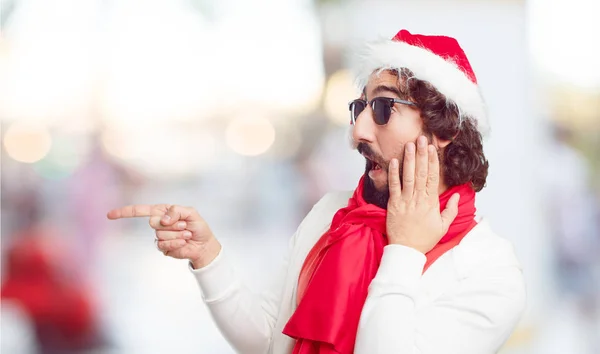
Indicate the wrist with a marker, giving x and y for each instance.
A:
(399, 240)
(406, 243)
(208, 253)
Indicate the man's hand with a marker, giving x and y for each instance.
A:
(180, 231)
(413, 213)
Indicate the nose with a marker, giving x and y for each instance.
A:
(363, 130)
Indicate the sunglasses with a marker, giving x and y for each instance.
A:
(382, 108)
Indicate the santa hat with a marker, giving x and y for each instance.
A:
(437, 59)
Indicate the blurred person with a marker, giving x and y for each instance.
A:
(92, 187)
(60, 307)
(572, 214)
(399, 265)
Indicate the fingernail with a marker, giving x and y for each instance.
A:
(422, 141)
(394, 163)
(181, 225)
(187, 234)
(410, 147)
(166, 218)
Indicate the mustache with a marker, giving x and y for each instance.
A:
(367, 152)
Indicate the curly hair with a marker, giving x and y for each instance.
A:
(463, 159)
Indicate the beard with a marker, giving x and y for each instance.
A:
(372, 194)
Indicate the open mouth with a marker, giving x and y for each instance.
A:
(372, 165)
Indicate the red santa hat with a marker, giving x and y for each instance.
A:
(437, 59)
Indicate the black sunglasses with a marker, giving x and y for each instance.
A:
(382, 108)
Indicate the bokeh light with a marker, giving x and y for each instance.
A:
(278, 69)
(118, 144)
(156, 73)
(26, 142)
(250, 135)
(340, 90)
(67, 154)
(49, 65)
(563, 33)
(162, 151)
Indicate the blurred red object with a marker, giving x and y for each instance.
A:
(59, 305)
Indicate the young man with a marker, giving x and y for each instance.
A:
(400, 265)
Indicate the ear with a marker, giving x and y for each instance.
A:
(439, 143)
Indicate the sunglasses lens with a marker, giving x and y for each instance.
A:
(381, 110)
(356, 108)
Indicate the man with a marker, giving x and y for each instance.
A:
(392, 267)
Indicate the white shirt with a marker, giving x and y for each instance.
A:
(468, 302)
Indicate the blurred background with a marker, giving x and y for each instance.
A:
(239, 108)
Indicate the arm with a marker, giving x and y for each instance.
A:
(475, 318)
(244, 318)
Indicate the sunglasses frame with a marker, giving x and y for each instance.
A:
(389, 100)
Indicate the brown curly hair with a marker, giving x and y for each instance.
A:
(463, 159)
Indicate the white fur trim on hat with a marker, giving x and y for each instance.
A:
(445, 75)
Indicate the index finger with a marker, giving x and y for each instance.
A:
(433, 177)
(130, 211)
(394, 180)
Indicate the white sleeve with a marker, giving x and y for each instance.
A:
(476, 317)
(245, 319)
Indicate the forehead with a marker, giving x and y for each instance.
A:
(385, 77)
(383, 82)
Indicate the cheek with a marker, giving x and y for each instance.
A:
(392, 142)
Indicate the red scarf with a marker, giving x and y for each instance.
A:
(333, 283)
